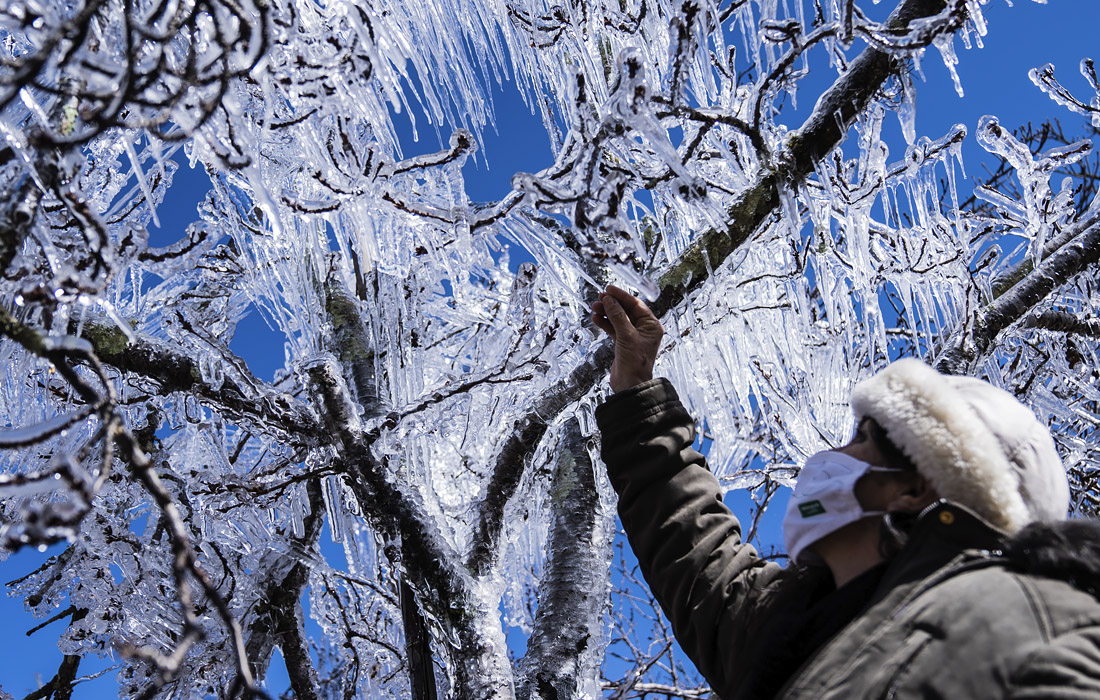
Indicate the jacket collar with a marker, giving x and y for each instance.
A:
(939, 535)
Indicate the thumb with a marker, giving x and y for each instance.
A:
(618, 317)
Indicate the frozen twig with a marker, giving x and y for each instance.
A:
(185, 565)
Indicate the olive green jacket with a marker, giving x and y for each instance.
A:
(949, 619)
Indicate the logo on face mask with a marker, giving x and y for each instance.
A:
(811, 509)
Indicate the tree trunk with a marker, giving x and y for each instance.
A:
(566, 639)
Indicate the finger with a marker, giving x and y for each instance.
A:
(634, 307)
(603, 324)
(618, 317)
(599, 318)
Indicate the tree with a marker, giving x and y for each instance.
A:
(435, 409)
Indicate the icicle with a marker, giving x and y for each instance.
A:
(135, 165)
(906, 108)
(297, 521)
(945, 44)
(332, 491)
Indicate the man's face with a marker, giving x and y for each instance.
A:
(875, 490)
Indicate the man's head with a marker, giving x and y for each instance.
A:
(923, 437)
(834, 514)
(975, 444)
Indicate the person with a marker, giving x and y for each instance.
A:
(931, 555)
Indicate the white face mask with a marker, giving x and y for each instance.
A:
(824, 501)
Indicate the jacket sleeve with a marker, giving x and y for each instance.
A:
(687, 542)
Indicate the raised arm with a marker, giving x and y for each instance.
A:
(710, 584)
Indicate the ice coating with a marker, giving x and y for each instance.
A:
(433, 406)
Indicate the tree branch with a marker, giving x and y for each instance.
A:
(516, 450)
(1072, 258)
(282, 622)
(60, 687)
(431, 564)
(349, 341)
(1063, 322)
(835, 112)
(175, 371)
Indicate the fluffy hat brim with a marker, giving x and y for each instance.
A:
(949, 444)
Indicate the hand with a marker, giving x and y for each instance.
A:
(637, 334)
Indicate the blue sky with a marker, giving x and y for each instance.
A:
(995, 80)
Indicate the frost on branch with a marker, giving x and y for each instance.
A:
(414, 483)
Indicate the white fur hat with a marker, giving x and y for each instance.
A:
(977, 445)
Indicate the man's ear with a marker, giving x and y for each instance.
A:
(914, 493)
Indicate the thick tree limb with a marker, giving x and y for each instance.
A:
(281, 621)
(432, 566)
(1063, 322)
(572, 591)
(1009, 279)
(418, 650)
(835, 112)
(349, 341)
(175, 371)
(516, 451)
(1071, 259)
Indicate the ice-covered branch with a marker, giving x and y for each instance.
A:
(836, 110)
(1044, 78)
(16, 220)
(185, 565)
(1063, 322)
(834, 113)
(514, 454)
(60, 687)
(1074, 257)
(434, 569)
(176, 371)
(283, 622)
(1010, 278)
(666, 690)
(567, 630)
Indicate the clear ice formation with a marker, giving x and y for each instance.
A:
(434, 410)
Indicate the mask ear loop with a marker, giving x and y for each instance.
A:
(892, 539)
(899, 536)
